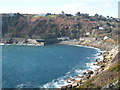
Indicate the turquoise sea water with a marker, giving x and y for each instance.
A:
(48, 66)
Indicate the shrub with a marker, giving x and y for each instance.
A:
(115, 68)
(87, 84)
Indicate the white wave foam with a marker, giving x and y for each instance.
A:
(56, 83)
(91, 66)
(20, 86)
(88, 47)
(63, 80)
(79, 71)
(1, 43)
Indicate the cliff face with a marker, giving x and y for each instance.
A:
(53, 26)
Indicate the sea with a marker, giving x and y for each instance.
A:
(45, 66)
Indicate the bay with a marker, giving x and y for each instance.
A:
(47, 66)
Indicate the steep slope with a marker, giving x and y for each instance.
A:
(58, 25)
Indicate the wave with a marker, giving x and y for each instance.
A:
(62, 81)
(76, 71)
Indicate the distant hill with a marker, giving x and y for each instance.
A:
(58, 25)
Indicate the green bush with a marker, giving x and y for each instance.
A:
(87, 84)
(115, 68)
(98, 87)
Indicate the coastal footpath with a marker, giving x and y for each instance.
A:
(106, 76)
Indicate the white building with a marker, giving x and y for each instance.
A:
(106, 37)
(87, 33)
(101, 28)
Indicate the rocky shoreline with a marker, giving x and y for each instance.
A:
(28, 44)
(103, 63)
(21, 41)
(96, 44)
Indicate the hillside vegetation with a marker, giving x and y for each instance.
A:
(58, 25)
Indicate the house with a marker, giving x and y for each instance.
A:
(63, 38)
(42, 14)
(87, 33)
(101, 28)
(106, 37)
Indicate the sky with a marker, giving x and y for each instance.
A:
(91, 7)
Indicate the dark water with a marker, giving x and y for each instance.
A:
(31, 66)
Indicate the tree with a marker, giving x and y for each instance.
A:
(78, 14)
(63, 12)
(48, 14)
(96, 15)
(108, 17)
(68, 14)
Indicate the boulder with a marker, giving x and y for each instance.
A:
(78, 81)
(96, 63)
(84, 73)
(96, 60)
(104, 56)
(74, 84)
(102, 66)
(69, 86)
(88, 76)
(110, 85)
(68, 81)
(79, 76)
(90, 72)
(104, 61)
(73, 80)
(85, 78)
(102, 69)
(96, 73)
